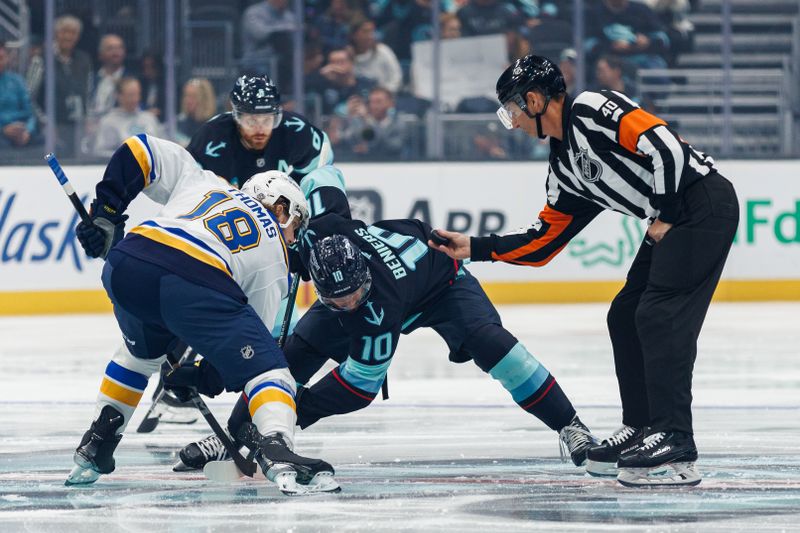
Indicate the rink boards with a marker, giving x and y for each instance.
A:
(45, 271)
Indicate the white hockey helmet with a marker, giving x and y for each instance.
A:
(269, 187)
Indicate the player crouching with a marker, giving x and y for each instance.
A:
(211, 270)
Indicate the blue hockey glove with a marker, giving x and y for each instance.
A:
(105, 230)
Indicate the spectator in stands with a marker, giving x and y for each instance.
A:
(375, 60)
(151, 77)
(674, 16)
(73, 72)
(267, 28)
(111, 53)
(17, 119)
(630, 30)
(490, 17)
(372, 130)
(449, 26)
(198, 104)
(332, 29)
(403, 22)
(125, 120)
(337, 81)
(566, 62)
(609, 74)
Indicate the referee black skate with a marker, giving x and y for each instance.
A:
(607, 153)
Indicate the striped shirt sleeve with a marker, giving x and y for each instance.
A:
(667, 154)
(563, 217)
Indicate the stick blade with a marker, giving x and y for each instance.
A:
(148, 424)
(222, 471)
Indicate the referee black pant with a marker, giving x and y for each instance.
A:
(656, 318)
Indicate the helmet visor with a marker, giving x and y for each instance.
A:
(510, 110)
(266, 121)
(347, 302)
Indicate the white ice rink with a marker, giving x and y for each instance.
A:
(448, 452)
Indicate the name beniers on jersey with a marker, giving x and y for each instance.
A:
(385, 252)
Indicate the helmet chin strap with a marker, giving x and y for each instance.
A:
(538, 117)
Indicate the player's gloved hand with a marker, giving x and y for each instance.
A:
(296, 265)
(200, 376)
(104, 231)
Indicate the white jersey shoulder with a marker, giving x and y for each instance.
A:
(213, 222)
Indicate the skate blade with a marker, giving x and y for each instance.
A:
(323, 482)
(178, 415)
(180, 466)
(81, 476)
(598, 469)
(671, 475)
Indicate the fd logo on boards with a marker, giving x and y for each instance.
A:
(247, 352)
(591, 169)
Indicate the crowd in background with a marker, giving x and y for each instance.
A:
(357, 66)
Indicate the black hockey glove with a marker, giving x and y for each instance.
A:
(104, 231)
(200, 375)
(296, 265)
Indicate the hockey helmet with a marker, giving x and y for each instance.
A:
(269, 187)
(256, 95)
(338, 270)
(529, 73)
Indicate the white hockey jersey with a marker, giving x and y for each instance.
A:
(208, 231)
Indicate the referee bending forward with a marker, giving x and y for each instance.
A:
(607, 153)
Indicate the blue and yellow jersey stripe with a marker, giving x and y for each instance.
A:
(266, 392)
(181, 240)
(123, 385)
(141, 151)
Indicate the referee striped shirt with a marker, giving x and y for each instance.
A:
(614, 155)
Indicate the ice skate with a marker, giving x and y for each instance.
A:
(196, 455)
(294, 475)
(601, 460)
(95, 453)
(665, 459)
(575, 439)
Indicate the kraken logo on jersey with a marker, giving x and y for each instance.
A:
(591, 169)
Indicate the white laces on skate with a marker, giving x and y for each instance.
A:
(620, 435)
(573, 437)
(651, 441)
(213, 448)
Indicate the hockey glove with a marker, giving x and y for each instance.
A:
(200, 375)
(104, 231)
(296, 265)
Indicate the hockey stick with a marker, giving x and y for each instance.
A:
(224, 471)
(67, 186)
(152, 418)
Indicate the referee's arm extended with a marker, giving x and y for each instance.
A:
(535, 245)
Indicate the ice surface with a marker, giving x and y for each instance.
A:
(449, 450)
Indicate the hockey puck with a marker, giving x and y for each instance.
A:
(438, 239)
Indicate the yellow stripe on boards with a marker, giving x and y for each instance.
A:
(270, 395)
(54, 302)
(96, 301)
(120, 393)
(166, 239)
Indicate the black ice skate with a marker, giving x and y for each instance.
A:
(196, 455)
(601, 460)
(95, 453)
(672, 453)
(294, 475)
(575, 440)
